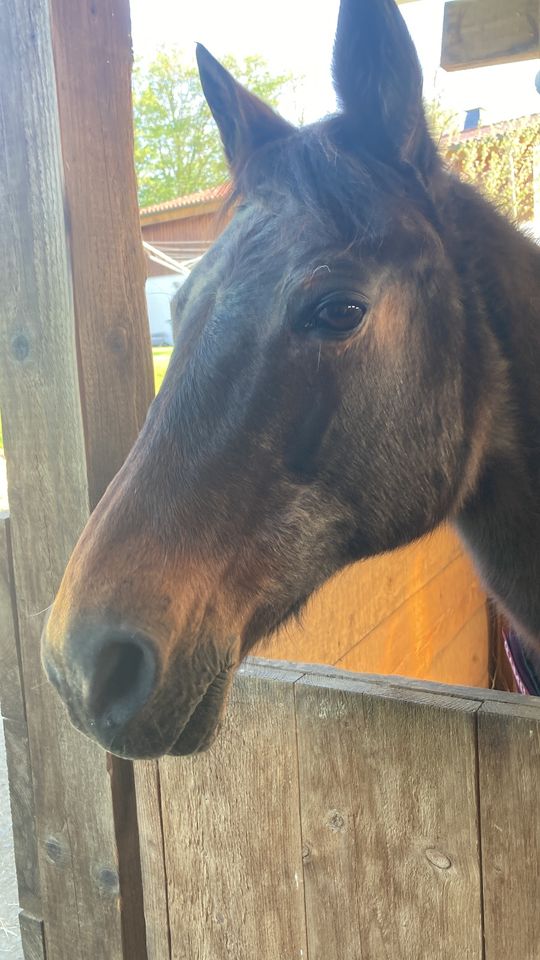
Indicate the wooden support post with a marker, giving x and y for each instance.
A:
(72, 294)
(478, 33)
(15, 732)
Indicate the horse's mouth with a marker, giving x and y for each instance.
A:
(197, 733)
(204, 723)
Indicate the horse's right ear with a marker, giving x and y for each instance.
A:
(378, 80)
(244, 121)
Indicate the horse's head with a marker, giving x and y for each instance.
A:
(316, 409)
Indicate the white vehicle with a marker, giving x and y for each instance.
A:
(159, 293)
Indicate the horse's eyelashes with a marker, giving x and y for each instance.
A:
(335, 317)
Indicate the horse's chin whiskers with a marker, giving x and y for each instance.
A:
(39, 613)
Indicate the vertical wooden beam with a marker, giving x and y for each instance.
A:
(63, 238)
(93, 59)
(15, 732)
(389, 821)
(232, 864)
(509, 764)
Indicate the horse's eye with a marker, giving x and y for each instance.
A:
(335, 317)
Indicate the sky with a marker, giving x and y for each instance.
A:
(296, 36)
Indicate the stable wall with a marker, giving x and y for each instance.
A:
(417, 612)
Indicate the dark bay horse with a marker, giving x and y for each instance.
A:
(357, 360)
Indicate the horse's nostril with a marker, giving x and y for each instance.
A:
(119, 677)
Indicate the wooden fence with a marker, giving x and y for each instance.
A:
(343, 817)
(336, 817)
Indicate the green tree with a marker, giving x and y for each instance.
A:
(500, 162)
(177, 146)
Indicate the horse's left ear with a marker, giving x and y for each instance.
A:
(245, 122)
(378, 80)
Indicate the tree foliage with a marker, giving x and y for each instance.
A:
(499, 161)
(177, 146)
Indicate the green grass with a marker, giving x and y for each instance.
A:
(162, 356)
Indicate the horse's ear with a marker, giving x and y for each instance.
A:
(378, 80)
(244, 121)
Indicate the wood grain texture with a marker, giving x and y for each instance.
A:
(11, 694)
(409, 640)
(232, 833)
(359, 795)
(465, 660)
(360, 598)
(49, 495)
(23, 816)
(389, 819)
(394, 686)
(32, 937)
(154, 876)
(509, 765)
(484, 32)
(93, 60)
(93, 57)
(402, 613)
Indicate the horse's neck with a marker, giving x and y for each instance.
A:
(500, 522)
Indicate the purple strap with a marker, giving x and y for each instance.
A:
(524, 667)
(520, 683)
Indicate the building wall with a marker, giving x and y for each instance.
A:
(202, 227)
(205, 226)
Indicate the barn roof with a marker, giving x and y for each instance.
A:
(201, 198)
(496, 129)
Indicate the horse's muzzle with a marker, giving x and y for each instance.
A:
(111, 681)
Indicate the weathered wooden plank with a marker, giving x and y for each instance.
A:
(509, 765)
(32, 937)
(360, 598)
(232, 834)
(11, 694)
(21, 790)
(49, 499)
(154, 875)
(407, 641)
(93, 58)
(389, 824)
(478, 33)
(395, 686)
(465, 660)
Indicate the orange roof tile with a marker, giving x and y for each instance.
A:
(189, 200)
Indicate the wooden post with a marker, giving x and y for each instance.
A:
(73, 309)
(351, 817)
(17, 752)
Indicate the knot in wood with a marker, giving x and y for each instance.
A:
(53, 849)
(20, 347)
(306, 853)
(117, 341)
(335, 821)
(108, 880)
(438, 859)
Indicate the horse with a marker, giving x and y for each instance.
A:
(356, 361)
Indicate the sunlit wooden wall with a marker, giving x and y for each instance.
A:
(417, 612)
